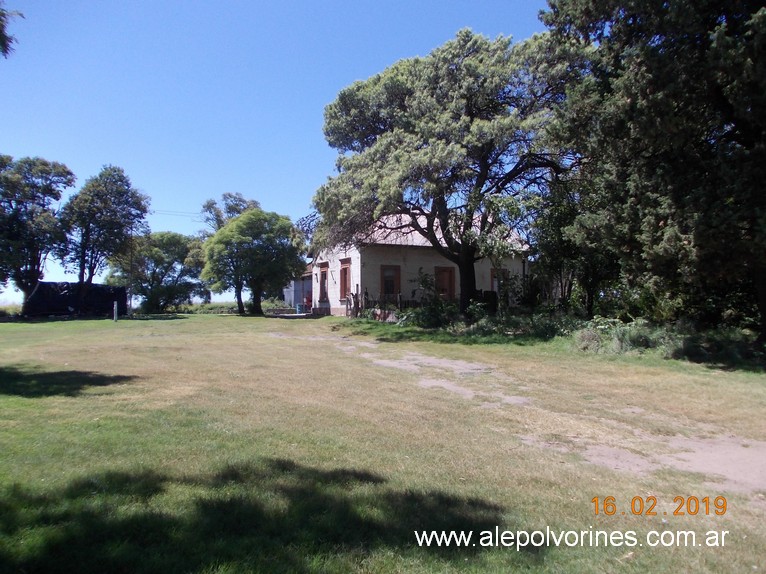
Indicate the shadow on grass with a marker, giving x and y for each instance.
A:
(268, 516)
(724, 351)
(32, 383)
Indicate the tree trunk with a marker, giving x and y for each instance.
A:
(27, 292)
(238, 297)
(467, 281)
(760, 288)
(256, 291)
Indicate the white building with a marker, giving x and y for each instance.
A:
(385, 268)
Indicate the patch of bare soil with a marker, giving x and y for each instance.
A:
(730, 462)
(414, 362)
(740, 464)
(417, 362)
(494, 399)
(447, 386)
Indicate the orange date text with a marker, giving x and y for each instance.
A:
(647, 506)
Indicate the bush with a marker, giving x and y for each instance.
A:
(603, 334)
(588, 340)
(273, 303)
(10, 310)
(434, 312)
(207, 309)
(725, 346)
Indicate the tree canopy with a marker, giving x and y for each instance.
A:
(29, 227)
(259, 249)
(162, 268)
(448, 143)
(669, 115)
(100, 220)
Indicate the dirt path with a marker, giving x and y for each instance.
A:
(731, 463)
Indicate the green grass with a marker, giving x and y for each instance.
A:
(234, 444)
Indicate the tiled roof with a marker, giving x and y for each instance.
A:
(393, 230)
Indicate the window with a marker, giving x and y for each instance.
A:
(390, 280)
(323, 281)
(444, 278)
(345, 278)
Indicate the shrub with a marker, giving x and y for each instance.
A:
(588, 340)
(208, 309)
(433, 312)
(10, 310)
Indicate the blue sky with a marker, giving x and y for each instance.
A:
(193, 99)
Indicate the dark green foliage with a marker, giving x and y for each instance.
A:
(100, 221)
(216, 215)
(29, 223)
(572, 261)
(259, 249)
(207, 309)
(447, 146)
(433, 311)
(669, 118)
(163, 268)
(726, 347)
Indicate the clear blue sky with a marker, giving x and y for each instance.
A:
(193, 99)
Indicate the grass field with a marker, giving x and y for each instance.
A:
(232, 444)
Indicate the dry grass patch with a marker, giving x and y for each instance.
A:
(269, 445)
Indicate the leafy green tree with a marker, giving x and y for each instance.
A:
(6, 40)
(568, 247)
(163, 268)
(29, 225)
(436, 141)
(261, 250)
(217, 214)
(669, 113)
(100, 220)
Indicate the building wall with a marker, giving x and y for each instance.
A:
(331, 260)
(365, 272)
(410, 260)
(413, 260)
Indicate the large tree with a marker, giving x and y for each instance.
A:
(259, 249)
(30, 189)
(670, 115)
(100, 220)
(567, 246)
(216, 215)
(163, 268)
(441, 143)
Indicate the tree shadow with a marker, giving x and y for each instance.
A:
(27, 382)
(722, 351)
(270, 515)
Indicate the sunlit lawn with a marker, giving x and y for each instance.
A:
(230, 444)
